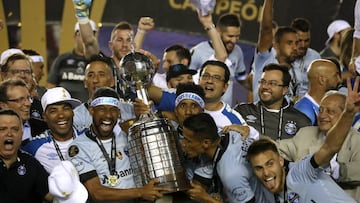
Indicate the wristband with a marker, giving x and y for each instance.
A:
(209, 27)
(83, 20)
(141, 31)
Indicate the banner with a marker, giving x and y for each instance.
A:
(180, 15)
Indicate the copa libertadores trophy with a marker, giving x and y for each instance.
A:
(153, 142)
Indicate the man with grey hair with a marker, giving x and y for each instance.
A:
(344, 165)
(15, 64)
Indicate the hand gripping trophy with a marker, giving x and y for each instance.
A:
(153, 142)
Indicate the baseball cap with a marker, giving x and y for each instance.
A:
(335, 27)
(92, 24)
(178, 69)
(65, 186)
(7, 53)
(56, 95)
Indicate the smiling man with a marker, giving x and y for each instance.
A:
(229, 28)
(344, 167)
(50, 146)
(102, 157)
(214, 78)
(14, 94)
(279, 48)
(305, 55)
(98, 73)
(15, 64)
(273, 115)
(305, 180)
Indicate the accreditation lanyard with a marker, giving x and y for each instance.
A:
(262, 122)
(57, 148)
(110, 160)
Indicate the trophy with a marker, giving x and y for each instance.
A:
(153, 142)
(137, 70)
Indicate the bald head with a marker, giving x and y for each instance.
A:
(320, 66)
(324, 74)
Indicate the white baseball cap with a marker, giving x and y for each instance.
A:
(65, 185)
(335, 27)
(92, 24)
(7, 53)
(56, 95)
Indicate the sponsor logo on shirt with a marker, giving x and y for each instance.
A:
(72, 76)
(239, 194)
(52, 156)
(78, 165)
(251, 118)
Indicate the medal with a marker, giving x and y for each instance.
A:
(216, 196)
(113, 180)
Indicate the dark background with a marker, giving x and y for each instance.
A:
(178, 15)
(176, 22)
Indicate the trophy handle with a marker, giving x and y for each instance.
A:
(141, 92)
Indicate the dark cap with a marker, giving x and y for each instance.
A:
(178, 69)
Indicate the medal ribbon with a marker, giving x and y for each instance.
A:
(110, 160)
(57, 147)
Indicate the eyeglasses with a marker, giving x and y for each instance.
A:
(270, 83)
(20, 71)
(216, 78)
(21, 100)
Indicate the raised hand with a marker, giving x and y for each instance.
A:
(204, 6)
(82, 8)
(353, 97)
(141, 108)
(146, 24)
(205, 20)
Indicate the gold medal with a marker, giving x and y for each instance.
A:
(216, 196)
(113, 180)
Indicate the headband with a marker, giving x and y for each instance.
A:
(106, 101)
(37, 59)
(192, 96)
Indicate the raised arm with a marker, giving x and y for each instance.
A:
(218, 45)
(265, 32)
(355, 57)
(145, 24)
(87, 34)
(340, 130)
(154, 93)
